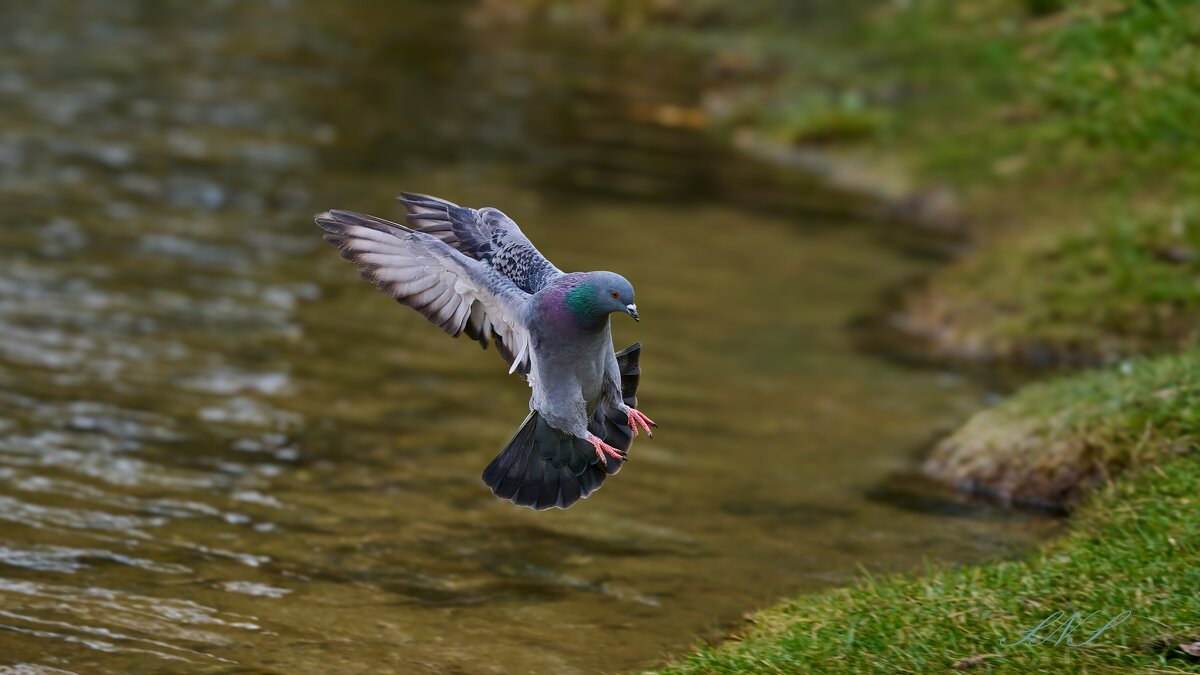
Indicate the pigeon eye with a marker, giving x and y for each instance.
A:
(615, 294)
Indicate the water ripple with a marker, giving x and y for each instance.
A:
(71, 560)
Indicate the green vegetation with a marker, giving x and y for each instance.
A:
(828, 120)
(1069, 130)
(1051, 442)
(1072, 134)
(1071, 296)
(1132, 549)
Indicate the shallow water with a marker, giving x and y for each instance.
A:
(220, 451)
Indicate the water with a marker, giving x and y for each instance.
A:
(220, 451)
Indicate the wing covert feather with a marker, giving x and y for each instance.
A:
(486, 235)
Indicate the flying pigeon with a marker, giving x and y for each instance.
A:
(474, 271)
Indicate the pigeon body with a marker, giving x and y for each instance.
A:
(474, 271)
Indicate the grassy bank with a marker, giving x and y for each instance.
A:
(1068, 132)
(1051, 443)
(1132, 549)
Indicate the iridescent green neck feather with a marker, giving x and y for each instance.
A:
(582, 301)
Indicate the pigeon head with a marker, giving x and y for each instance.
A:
(600, 294)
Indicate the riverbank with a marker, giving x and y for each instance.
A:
(1065, 133)
(1133, 549)
(1064, 129)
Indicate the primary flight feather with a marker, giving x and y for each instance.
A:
(474, 271)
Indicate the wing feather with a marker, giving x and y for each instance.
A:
(486, 235)
(453, 291)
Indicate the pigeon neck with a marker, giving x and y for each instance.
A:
(576, 307)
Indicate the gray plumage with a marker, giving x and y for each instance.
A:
(474, 271)
(487, 235)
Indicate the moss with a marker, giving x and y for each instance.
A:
(1132, 549)
(1129, 284)
(1051, 442)
(824, 119)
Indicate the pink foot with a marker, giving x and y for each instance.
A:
(603, 449)
(636, 417)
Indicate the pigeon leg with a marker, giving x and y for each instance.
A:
(603, 449)
(635, 417)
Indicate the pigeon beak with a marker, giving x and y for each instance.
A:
(632, 309)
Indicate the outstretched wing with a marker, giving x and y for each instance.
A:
(459, 294)
(486, 235)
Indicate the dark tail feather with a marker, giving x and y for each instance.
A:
(543, 467)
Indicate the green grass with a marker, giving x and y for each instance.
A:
(1075, 136)
(1070, 128)
(1125, 75)
(1134, 548)
(1130, 284)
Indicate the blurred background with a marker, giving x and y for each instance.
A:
(221, 451)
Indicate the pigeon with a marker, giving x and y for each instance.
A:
(474, 271)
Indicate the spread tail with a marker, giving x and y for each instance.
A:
(543, 467)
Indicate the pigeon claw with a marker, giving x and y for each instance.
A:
(603, 449)
(636, 417)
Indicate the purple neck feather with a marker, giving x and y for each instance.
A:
(556, 303)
